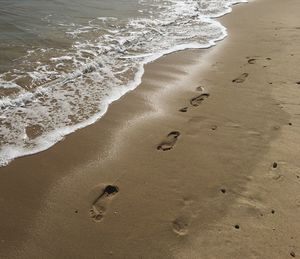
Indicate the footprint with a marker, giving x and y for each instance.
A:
(169, 141)
(180, 226)
(252, 61)
(196, 101)
(276, 175)
(241, 78)
(184, 109)
(99, 206)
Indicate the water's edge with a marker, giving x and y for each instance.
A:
(45, 142)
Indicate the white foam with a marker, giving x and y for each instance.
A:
(62, 58)
(8, 84)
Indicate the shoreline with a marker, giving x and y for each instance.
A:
(213, 185)
(44, 142)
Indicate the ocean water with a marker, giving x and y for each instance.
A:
(62, 62)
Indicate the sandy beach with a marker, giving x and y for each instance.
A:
(200, 161)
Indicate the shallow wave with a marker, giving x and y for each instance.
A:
(53, 92)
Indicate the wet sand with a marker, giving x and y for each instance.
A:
(200, 161)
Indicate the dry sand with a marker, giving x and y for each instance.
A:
(218, 179)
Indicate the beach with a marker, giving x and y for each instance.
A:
(199, 161)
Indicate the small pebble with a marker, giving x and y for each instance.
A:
(237, 226)
(275, 165)
(273, 211)
(223, 190)
(292, 254)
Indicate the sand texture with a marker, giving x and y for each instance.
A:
(202, 160)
